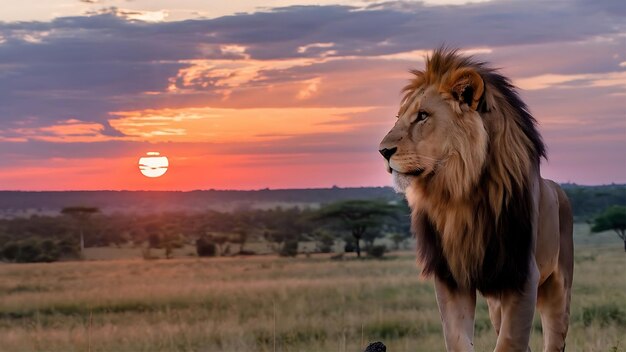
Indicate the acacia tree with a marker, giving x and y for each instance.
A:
(359, 217)
(613, 218)
(81, 215)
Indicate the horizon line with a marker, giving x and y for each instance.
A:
(256, 189)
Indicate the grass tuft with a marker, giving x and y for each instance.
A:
(604, 315)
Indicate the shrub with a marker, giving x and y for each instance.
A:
(377, 251)
(69, 247)
(325, 242)
(289, 249)
(31, 250)
(169, 251)
(205, 247)
(49, 251)
(349, 247)
(10, 251)
(154, 241)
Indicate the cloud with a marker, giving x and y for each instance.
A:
(315, 46)
(134, 15)
(310, 88)
(67, 131)
(231, 125)
(329, 76)
(611, 79)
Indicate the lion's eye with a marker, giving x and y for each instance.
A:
(421, 116)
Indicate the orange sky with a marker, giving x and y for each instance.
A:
(282, 98)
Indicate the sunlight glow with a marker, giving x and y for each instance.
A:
(219, 125)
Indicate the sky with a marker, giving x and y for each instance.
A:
(284, 93)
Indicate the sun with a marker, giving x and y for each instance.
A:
(153, 164)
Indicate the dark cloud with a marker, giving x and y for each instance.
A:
(383, 29)
(390, 28)
(591, 56)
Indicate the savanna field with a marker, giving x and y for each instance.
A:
(266, 303)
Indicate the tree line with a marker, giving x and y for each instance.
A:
(587, 201)
(354, 223)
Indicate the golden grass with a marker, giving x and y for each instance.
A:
(256, 303)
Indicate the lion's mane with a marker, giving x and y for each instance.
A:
(474, 221)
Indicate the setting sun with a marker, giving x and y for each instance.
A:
(153, 164)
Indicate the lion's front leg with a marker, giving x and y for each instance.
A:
(517, 311)
(495, 313)
(456, 308)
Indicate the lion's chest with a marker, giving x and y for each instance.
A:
(468, 248)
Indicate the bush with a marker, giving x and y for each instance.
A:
(10, 251)
(289, 249)
(349, 247)
(325, 242)
(154, 241)
(169, 251)
(69, 247)
(49, 251)
(205, 247)
(31, 250)
(377, 251)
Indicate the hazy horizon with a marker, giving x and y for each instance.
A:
(252, 189)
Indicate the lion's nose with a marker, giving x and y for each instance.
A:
(388, 152)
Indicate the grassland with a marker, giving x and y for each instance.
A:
(264, 303)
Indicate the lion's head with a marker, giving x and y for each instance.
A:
(458, 120)
(438, 129)
(464, 150)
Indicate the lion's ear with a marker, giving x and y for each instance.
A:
(467, 87)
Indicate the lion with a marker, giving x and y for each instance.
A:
(466, 152)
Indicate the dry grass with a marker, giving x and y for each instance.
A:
(266, 304)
